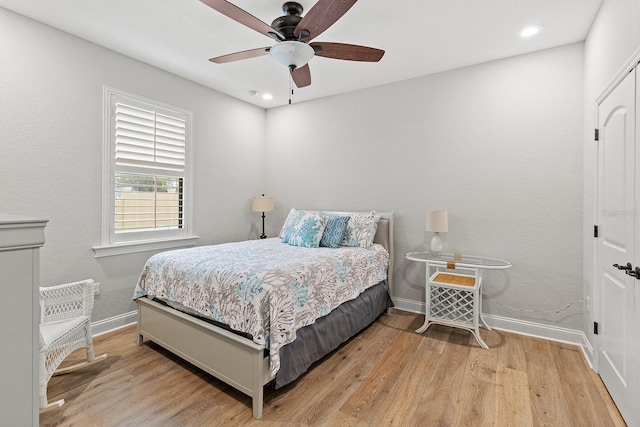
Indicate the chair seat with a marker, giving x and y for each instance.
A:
(53, 331)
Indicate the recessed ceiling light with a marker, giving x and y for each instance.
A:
(267, 96)
(530, 31)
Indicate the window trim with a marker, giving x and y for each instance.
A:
(143, 246)
(138, 242)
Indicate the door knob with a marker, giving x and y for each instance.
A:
(635, 273)
(624, 267)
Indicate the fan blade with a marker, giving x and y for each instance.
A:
(237, 56)
(301, 76)
(349, 52)
(245, 18)
(321, 16)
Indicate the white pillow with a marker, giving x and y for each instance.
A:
(287, 222)
(361, 230)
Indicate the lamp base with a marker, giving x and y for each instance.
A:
(436, 243)
(263, 236)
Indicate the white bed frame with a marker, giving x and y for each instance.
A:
(229, 357)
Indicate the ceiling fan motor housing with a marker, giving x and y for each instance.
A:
(286, 24)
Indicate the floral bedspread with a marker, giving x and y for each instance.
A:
(266, 288)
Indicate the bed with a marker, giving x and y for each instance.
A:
(259, 333)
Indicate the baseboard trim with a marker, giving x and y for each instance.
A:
(113, 323)
(516, 326)
(521, 327)
(409, 305)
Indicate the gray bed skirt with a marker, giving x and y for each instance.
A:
(315, 341)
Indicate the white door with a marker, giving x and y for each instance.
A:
(617, 293)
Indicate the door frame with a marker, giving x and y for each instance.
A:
(595, 306)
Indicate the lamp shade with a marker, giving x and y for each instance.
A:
(292, 52)
(262, 204)
(437, 221)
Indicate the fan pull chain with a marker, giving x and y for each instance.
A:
(290, 87)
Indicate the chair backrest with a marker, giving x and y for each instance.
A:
(66, 301)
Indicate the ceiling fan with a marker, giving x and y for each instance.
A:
(293, 34)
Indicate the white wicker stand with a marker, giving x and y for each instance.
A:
(453, 294)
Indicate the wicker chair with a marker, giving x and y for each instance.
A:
(65, 326)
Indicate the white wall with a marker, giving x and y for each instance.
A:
(613, 39)
(51, 151)
(499, 145)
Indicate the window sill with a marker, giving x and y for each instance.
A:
(143, 246)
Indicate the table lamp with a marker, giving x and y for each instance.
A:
(437, 223)
(262, 204)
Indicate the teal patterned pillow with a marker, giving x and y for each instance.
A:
(307, 230)
(361, 230)
(334, 230)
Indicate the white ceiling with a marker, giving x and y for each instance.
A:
(420, 37)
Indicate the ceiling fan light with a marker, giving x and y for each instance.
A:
(288, 53)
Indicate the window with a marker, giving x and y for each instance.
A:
(146, 203)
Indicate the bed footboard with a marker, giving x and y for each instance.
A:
(233, 359)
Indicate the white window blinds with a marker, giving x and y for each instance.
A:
(150, 142)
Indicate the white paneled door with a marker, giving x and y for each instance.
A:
(617, 291)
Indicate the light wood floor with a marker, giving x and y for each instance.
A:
(387, 375)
